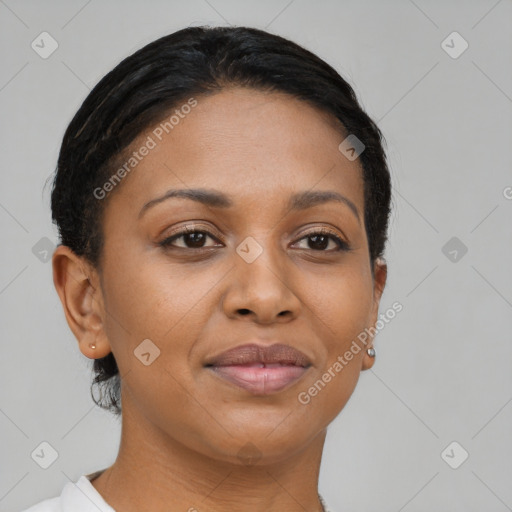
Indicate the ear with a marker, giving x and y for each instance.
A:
(379, 282)
(77, 283)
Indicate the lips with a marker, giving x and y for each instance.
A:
(261, 370)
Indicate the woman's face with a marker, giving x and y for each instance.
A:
(260, 273)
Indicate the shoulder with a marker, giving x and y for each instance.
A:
(49, 505)
(79, 496)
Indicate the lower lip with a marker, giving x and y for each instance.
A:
(260, 381)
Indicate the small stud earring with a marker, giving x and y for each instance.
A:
(92, 345)
(371, 352)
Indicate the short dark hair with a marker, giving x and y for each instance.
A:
(141, 90)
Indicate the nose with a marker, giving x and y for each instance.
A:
(260, 292)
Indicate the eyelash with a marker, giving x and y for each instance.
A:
(167, 242)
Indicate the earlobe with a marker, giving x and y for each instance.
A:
(380, 276)
(368, 358)
(76, 283)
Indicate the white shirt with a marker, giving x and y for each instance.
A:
(81, 496)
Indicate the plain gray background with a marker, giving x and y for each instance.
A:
(443, 368)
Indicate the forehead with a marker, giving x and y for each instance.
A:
(250, 144)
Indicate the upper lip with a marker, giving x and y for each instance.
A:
(254, 353)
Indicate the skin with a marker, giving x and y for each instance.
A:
(182, 427)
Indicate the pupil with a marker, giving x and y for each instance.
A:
(322, 245)
(195, 239)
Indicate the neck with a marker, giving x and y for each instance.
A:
(155, 472)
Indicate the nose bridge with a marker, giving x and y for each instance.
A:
(259, 286)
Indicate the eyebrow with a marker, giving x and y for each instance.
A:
(216, 199)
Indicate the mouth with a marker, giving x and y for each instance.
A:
(261, 370)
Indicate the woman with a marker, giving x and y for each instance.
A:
(222, 202)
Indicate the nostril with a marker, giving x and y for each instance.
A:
(244, 311)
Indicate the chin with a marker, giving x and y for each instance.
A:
(253, 446)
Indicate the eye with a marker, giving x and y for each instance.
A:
(319, 241)
(190, 238)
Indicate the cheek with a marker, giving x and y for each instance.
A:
(161, 303)
(342, 302)
(147, 297)
(151, 296)
(343, 308)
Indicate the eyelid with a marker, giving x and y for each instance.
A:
(191, 228)
(320, 229)
(340, 241)
(323, 230)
